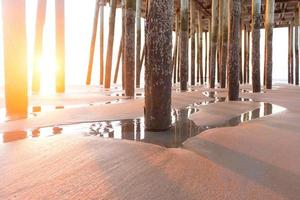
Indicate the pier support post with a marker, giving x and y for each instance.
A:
(213, 42)
(291, 54)
(102, 4)
(234, 39)
(199, 52)
(60, 45)
(256, 6)
(15, 58)
(158, 77)
(206, 56)
(93, 43)
(129, 47)
(269, 24)
(184, 44)
(224, 41)
(138, 43)
(110, 43)
(175, 49)
(38, 45)
(246, 56)
(297, 47)
(192, 34)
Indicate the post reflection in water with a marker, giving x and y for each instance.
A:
(134, 129)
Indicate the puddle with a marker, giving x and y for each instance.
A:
(134, 129)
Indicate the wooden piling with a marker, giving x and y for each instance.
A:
(118, 60)
(158, 76)
(138, 43)
(110, 44)
(200, 51)
(38, 45)
(220, 36)
(206, 56)
(102, 4)
(255, 28)
(213, 42)
(233, 62)
(15, 58)
(175, 49)
(184, 44)
(291, 54)
(60, 45)
(192, 34)
(246, 56)
(224, 43)
(93, 43)
(129, 47)
(297, 47)
(269, 24)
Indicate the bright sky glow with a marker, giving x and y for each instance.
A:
(79, 19)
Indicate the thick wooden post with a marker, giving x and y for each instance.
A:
(15, 58)
(269, 24)
(291, 54)
(38, 46)
(184, 44)
(200, 47)
(192, 28)
(158, 75)
(123, 41)
(138, 43)
(206, 56)
(224, 43)
(246, 56)
(102, 4)
(93, 43)
(129, 47)
(110, 44)
(118, 60)
(220, 36)
(213, 42)
(256, 6)
(60, 45)
(175, 49)
(240, 54)
(297, 47)
(233, 63)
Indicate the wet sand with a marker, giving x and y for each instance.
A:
(258, 159)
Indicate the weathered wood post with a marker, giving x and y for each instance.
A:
(60, 45)
(246, 56)
(220, 38)
(38, 45)
(158, 77)
(269, 24)
(291, 54)
(138, 43)
(213, 42)
(184, 44)
(118, 60)
(255, 28)
(175, 49)
(123, 39)
(93, 43)
(224, 43)
(110, 44)
(206, 56)
(15, 58)
(192, 34)
(233, 62)
(297, 47)
(200, 47)
(129, 47)
(102, 4)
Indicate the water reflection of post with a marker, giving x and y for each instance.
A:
(15, 58)
(138, 130)
(255, 113)
(128, 131)
(14, 136)
(268, 109)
